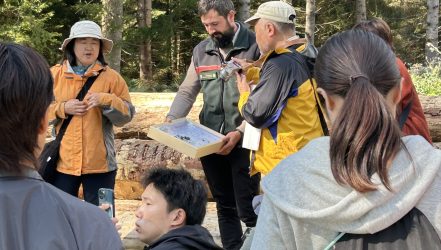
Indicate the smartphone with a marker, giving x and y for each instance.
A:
(105, 196)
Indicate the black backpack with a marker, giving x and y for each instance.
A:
(413, 231)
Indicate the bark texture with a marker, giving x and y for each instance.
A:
(360, 11)
(432, 52)
(112, 29)
(310, 20)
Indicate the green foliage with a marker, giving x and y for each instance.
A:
(29, 22)
(176, 29)
(171, 21)
(427, 79)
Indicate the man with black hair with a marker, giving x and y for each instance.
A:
(172, 211)
(227, 171)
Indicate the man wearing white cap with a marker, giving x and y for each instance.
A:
(87, 154)
(283, 104)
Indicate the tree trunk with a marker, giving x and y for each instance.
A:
(310, 20)
(173, 41)
(112, 29)
(360, 10)
(244, 10)
(145, 54)
(432, 30)
(178, 53)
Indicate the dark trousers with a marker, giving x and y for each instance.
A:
(91, 183)
(233, 190)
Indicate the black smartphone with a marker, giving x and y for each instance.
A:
(106, 196)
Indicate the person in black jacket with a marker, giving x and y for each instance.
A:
(172, 210)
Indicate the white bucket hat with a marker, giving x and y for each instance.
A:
(276, 11)
(87, 29)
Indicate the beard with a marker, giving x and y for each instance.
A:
(225, 39)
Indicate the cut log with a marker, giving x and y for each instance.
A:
(432, 111)
(136, 156)
(151, 109)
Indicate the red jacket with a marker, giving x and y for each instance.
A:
(416, 123)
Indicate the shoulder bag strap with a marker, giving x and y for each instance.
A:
(404, 114)
(80, 97)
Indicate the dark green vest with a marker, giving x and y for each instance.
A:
(219, 111)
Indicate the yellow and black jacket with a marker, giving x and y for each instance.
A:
(283, 105)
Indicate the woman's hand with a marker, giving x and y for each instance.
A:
(75, 107)
(92, 99)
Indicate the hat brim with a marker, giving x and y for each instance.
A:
(252, 20)
(107, 43)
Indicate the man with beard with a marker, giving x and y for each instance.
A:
(227, 171)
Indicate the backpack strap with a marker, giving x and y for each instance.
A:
(405, 114)
(319, 109)
(332, 243)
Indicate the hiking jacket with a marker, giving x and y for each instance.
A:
(87, 146)
(283, 104)
(305, 208)
(37, 215)
(193, 237)
(416, 123)
(219, 111)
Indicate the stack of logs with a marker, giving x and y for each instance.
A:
(136, 153)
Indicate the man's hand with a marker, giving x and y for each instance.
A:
(75, 107)
(244, 63)
(92, 99)
(229, 142)
(104, 207)
(242, 84)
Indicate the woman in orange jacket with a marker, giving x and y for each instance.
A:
(87, 154)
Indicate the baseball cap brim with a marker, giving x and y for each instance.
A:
(252, 20)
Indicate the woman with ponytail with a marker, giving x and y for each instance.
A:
(362, 179)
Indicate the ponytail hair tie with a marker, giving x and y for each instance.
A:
(356, 76)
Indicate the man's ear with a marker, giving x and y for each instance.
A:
(271, 29)
(178, 218)
(230, 16)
